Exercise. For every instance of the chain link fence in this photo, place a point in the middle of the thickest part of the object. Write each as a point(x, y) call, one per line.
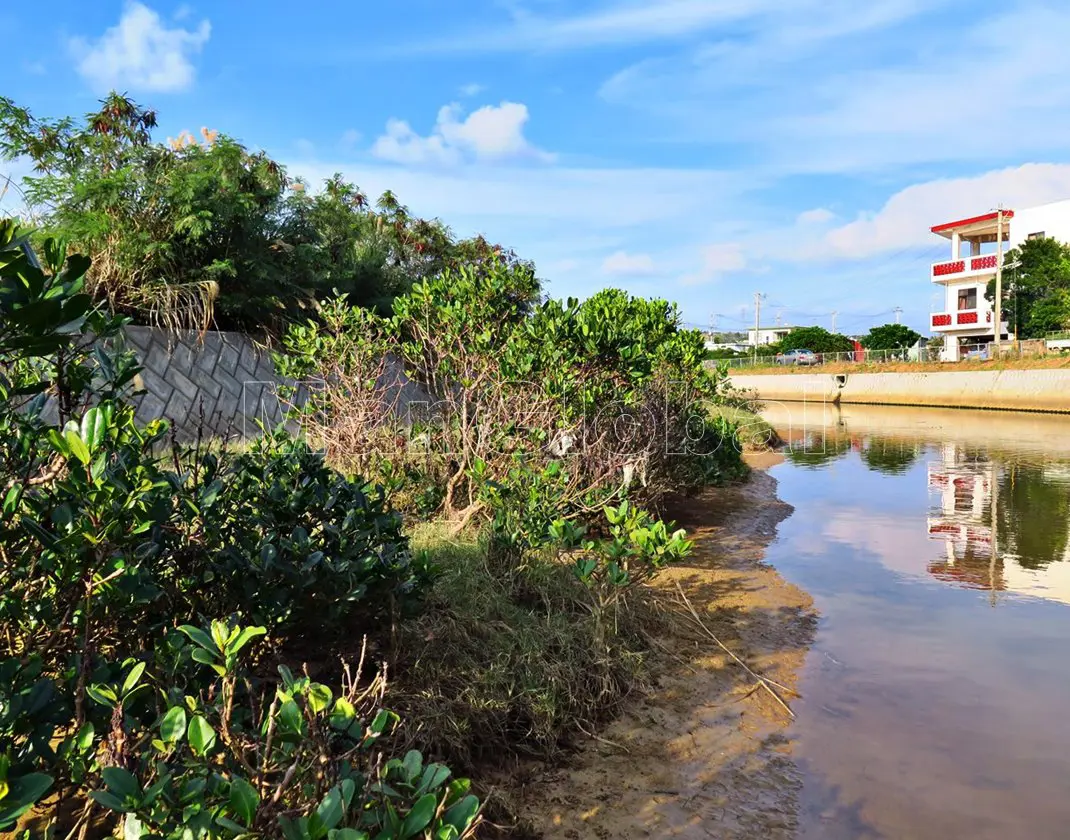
point(924, 355)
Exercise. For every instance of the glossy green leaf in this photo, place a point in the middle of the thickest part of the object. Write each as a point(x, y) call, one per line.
point(122, 783)
point(22, 793)
point(463, 814)
point(412, 764)
point(419, 817)
point(434, 776)
point(84, 739)
point(173, 724)
point(201, 735)
point(76, 446)
point(342, 714)
point(243, 638)
point(133, 677)
point(331, 810)
point(319, 697)
point(102, 694)
point(95, 426)
point(244, 800)
point(108, 800)
point(198, 636)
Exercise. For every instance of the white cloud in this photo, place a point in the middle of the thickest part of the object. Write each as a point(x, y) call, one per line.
point(350, 138)
point(11, 174)
point(567, 219)
point(817, 216)
point(841, 87)
point(140, 52)
point(622, 22)
point(473, 89)
point(483, 197)
point(906, 217)
point(718, 259)
point(488, 133)
point(622, 263)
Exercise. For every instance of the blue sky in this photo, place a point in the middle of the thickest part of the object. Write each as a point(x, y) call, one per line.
point(699, 150)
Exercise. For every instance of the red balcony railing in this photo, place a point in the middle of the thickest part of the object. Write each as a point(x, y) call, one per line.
point(967, 317)
point(943, 269)
point(965, 266)
point(942, 320)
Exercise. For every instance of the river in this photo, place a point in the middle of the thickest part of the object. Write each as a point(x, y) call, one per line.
point(936, 546)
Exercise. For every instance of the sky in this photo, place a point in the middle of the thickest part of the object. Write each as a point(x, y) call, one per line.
point(701, 151)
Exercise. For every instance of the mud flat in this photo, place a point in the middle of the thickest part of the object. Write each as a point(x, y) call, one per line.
point(705, 753)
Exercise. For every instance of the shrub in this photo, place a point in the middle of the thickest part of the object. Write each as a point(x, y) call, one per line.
point(613, 387)
point(123, 719)
point(285, 538)
point(198, 230)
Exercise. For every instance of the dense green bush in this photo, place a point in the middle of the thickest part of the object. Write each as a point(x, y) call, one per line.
point(120, 707)
point(890, 337)
point(134, 585)
point(1036, 287)
point(613, 385)
point(289, 539)
point(816, 339)
point(199, 230)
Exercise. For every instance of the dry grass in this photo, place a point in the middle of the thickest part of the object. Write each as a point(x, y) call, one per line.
point(1034, 363)
point(502, 664)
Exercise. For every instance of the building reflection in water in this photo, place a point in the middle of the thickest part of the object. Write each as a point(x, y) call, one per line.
point(1005, 524)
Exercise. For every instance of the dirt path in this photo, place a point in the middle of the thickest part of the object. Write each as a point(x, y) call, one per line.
point(703, 754)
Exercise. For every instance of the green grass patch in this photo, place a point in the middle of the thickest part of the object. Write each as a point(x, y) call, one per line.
point(755, 433)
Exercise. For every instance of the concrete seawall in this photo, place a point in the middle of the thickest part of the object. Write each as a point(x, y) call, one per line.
point(1018, 390)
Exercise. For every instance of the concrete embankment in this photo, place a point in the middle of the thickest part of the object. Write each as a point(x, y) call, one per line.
point(1019, 390)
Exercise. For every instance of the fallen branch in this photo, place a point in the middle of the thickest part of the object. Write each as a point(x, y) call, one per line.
point(762, 681)
point(603, 740)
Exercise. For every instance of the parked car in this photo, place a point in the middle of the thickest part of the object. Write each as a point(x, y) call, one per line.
point(797, 357)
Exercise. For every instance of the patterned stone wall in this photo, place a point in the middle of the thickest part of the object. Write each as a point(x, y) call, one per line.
point(221, 382)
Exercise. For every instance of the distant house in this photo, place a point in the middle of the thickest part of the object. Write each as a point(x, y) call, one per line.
point(766, 335)
point(965, 318)
point(734, 346)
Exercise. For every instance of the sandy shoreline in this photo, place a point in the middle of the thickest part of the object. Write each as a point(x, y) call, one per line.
point(702, 754)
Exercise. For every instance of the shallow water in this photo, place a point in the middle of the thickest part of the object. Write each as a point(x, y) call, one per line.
point(936, 699)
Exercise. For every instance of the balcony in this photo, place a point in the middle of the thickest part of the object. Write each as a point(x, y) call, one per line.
point(961, 319)
point(943, 272)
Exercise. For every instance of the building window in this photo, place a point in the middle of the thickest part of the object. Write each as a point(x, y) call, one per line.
point(967, 299)
point(1037, 235)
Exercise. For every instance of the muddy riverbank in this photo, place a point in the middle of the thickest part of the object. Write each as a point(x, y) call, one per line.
point(703, 753)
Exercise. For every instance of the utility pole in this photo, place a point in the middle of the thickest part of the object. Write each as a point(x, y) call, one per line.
point(898, 313)
point(757, 321)
point(999, 278)
point(834, 314)
point(713, 324)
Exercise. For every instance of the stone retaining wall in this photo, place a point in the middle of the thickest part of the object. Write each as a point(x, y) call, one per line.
point(220, 381)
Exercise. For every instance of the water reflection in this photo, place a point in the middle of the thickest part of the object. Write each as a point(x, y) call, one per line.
point(999, 509)
point(1004, 522)
point(816, 448)
point(926, 713)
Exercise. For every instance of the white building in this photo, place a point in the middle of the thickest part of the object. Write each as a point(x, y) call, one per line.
point(965, 319)
point(734, 346)
point(766, 335)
